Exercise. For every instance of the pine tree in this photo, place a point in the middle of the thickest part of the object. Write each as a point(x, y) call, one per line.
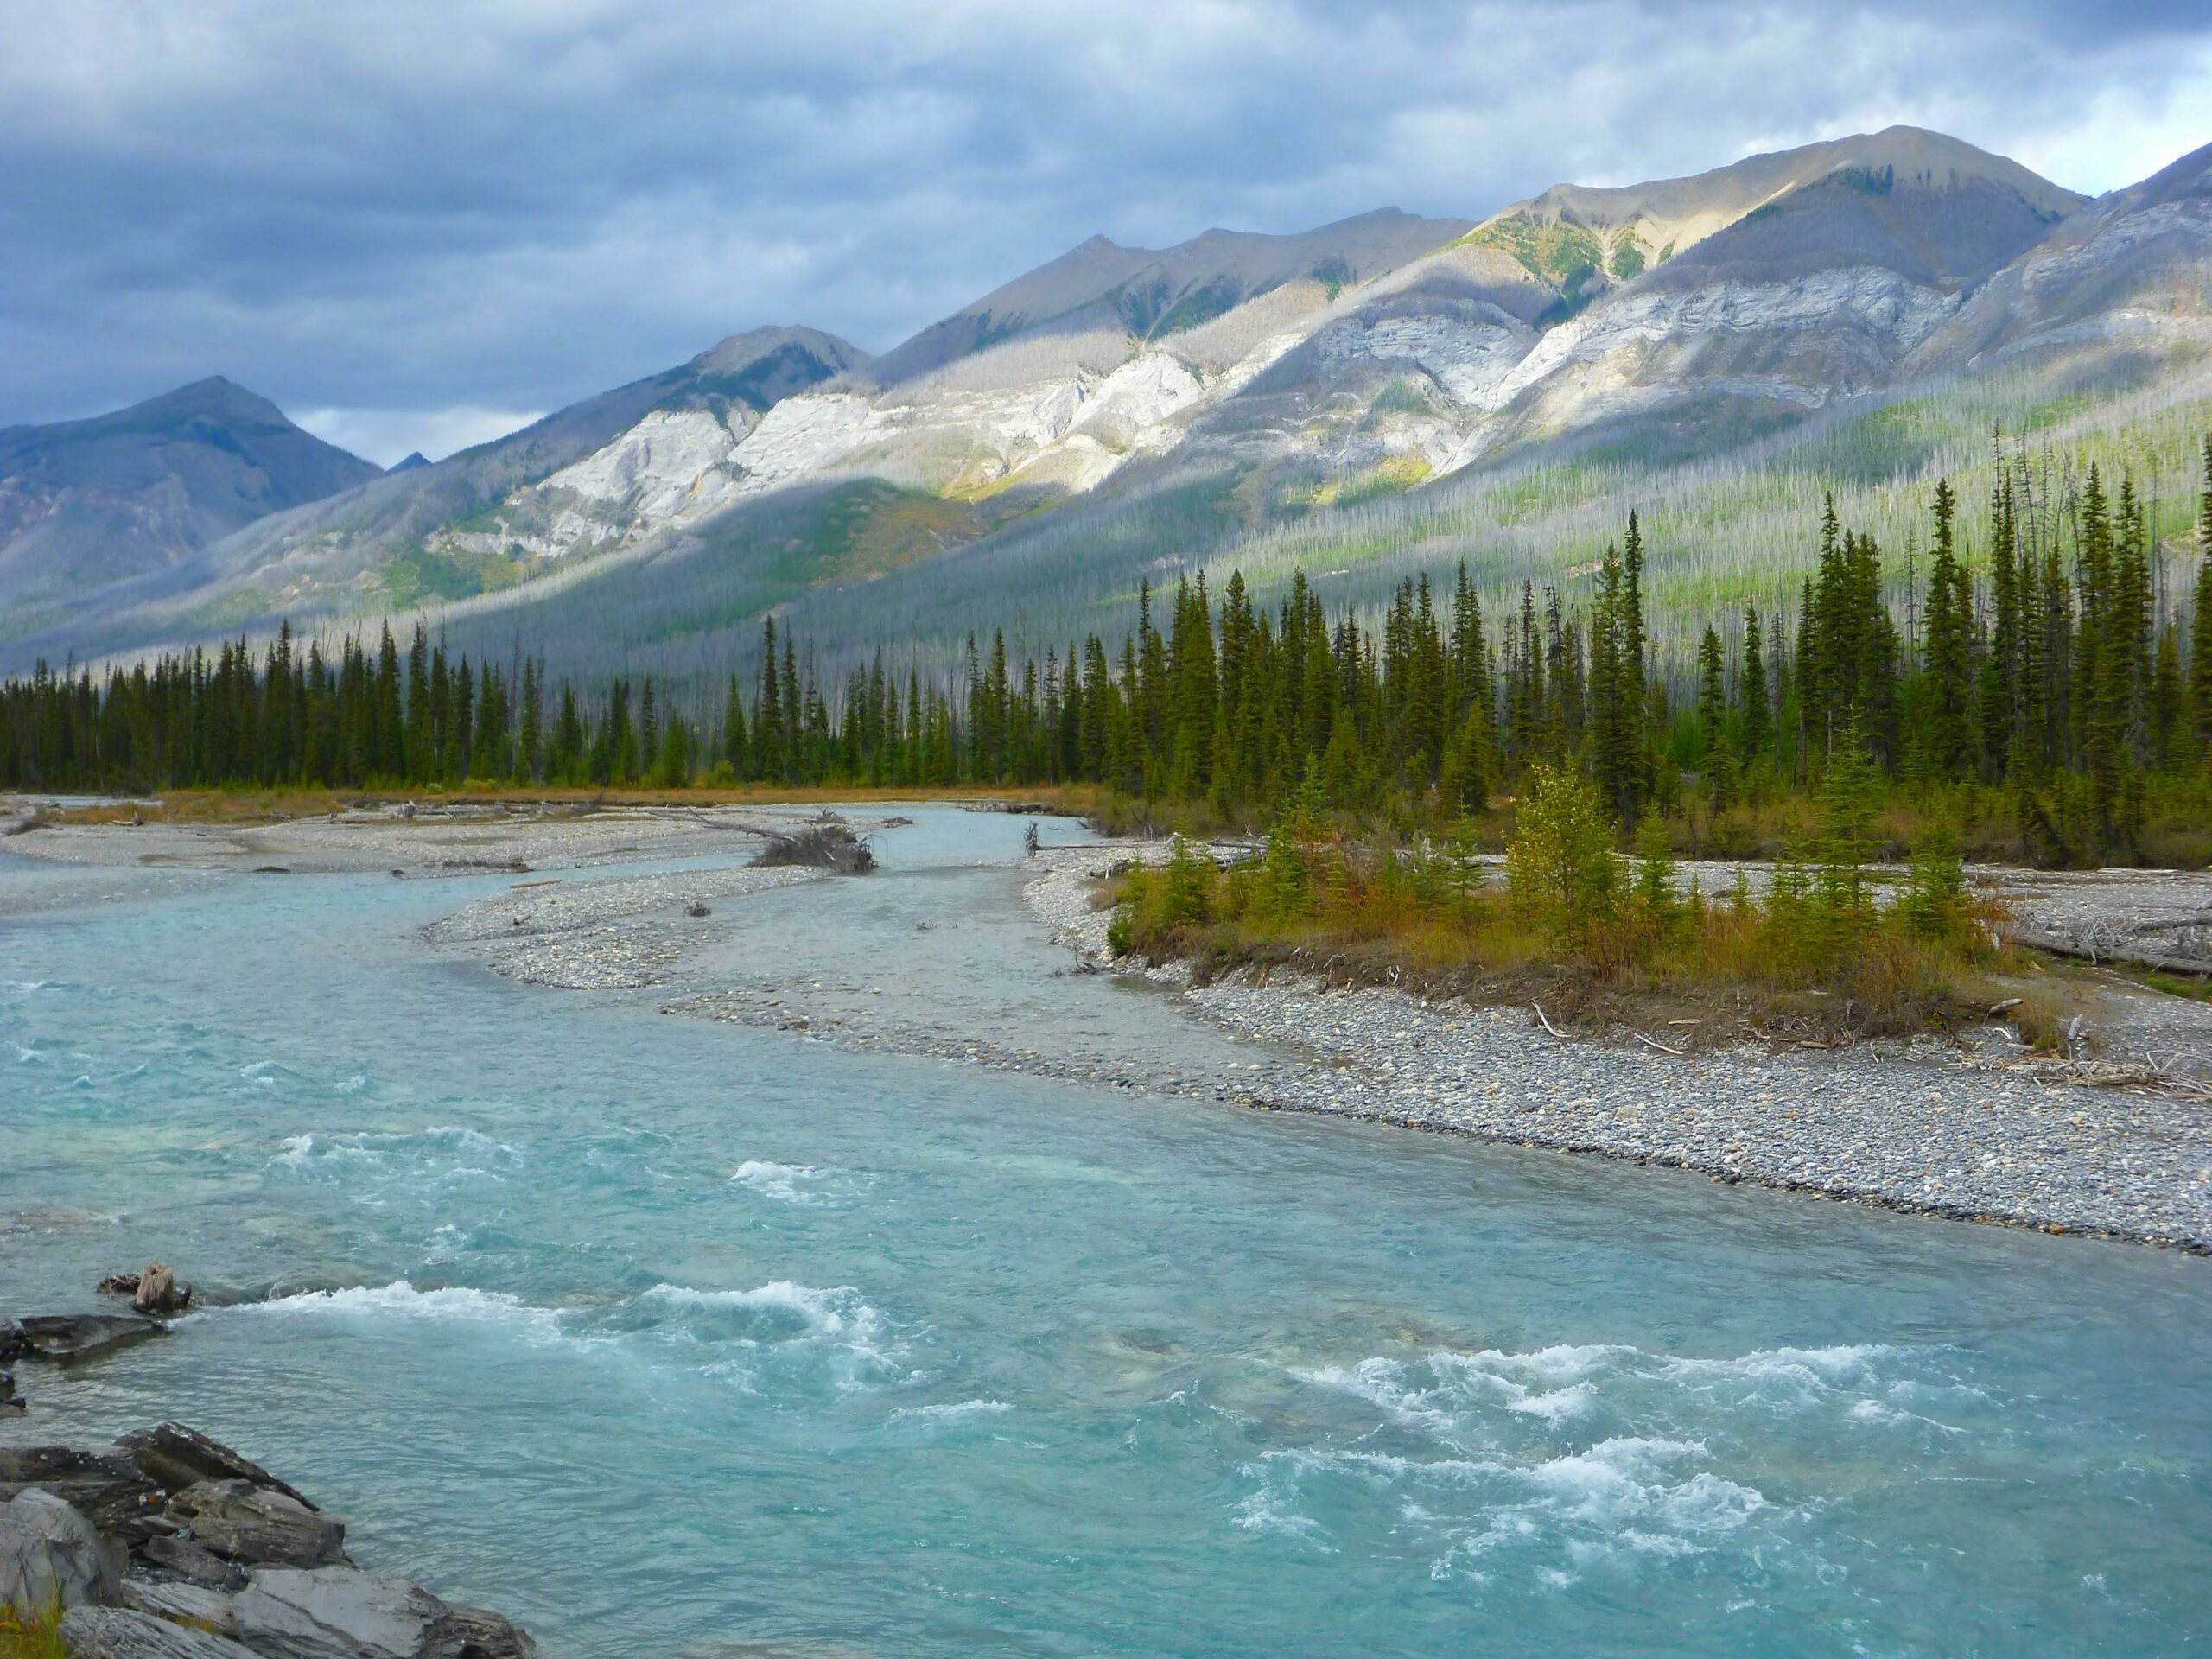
point(2200, 637)
point(770, 759)
point(1998, 692)
point(1715, 759)
point(529, 762)
point(1949, 667)
point(1754, 716)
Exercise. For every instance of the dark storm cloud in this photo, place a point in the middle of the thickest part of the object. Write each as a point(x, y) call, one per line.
point(414, 221)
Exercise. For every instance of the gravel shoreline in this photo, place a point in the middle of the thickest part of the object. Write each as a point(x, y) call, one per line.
point(1928, 1128)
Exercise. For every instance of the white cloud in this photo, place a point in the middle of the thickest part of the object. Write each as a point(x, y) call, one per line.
point(2129, 130)
point(470, 205)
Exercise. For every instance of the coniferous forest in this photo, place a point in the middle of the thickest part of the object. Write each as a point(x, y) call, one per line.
point(2027, 652)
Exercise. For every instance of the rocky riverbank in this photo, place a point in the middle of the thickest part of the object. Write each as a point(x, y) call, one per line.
point(169, 1545)
point(1928, 1127)
point(410, 839)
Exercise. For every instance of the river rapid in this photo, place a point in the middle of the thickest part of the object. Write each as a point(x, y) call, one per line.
point(669, 1337)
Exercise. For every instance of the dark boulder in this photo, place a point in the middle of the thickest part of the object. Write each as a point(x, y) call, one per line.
point(472, 1633)
point(74, 1336)
point(178, 1457)
point(188, 1560)
point(8, 1394)
point(259, 1526)
point(104, 1486)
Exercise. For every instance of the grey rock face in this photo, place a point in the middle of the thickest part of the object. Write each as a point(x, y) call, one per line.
point(181, 1603)
point(119, 1633)
point(178, 1457)
point(188, 1561)
point(106, 1487)
point(50, 1554)
point(259, 1526)
point(344, 1613)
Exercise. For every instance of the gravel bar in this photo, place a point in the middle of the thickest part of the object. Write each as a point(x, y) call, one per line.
point(611, 933)
point(1926, 1128)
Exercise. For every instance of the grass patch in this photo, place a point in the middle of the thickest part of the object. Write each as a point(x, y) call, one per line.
point(1389, 478)
point(1561, 252)
point(421, 576)
point(26, 1637)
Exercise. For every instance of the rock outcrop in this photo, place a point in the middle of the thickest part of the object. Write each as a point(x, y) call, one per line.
point(120, 1633)
point(72, 1336)
point(169, 1545)
point(104, 1485)
point(244, 1522)
point(50, 1555)
point(344, 1613)
point(177, 1455)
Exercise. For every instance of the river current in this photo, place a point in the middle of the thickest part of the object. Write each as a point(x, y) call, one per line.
point(673, 1337)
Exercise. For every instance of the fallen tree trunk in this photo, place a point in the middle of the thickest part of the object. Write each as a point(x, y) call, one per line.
point(2116, 951)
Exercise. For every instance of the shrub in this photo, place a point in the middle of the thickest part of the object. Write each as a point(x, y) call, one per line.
point(1285, 886)
point(1559, 866)
point(1935, 905)
point(1658, 906)
point(1186, 887)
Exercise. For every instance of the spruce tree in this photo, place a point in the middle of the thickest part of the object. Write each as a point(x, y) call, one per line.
point(1754, 716)
point(1948, 658)
point(2200, 637)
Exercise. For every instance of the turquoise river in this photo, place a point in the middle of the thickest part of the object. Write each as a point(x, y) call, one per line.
point(670, 1337)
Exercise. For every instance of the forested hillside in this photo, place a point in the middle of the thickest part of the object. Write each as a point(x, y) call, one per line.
point(2065, 677)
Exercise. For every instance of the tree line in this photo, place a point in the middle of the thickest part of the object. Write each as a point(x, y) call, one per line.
point(2051, 666)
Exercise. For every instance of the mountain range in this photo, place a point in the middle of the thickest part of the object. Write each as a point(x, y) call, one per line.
point(1384, 394)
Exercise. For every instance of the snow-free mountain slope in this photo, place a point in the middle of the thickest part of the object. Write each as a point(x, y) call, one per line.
point(405, 518)
point(86, 503)
point(1148, 293)
point(2117, 287)
point(1375, 352)
point(1633, 226)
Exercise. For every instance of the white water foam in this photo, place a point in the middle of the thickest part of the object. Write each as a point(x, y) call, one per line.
point(1467, 1454)
point(782, 1182)
point(400, 1299)
point(775, 1322)
point(441, 1152)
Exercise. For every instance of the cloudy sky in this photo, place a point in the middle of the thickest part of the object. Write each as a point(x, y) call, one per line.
point(419, 223)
